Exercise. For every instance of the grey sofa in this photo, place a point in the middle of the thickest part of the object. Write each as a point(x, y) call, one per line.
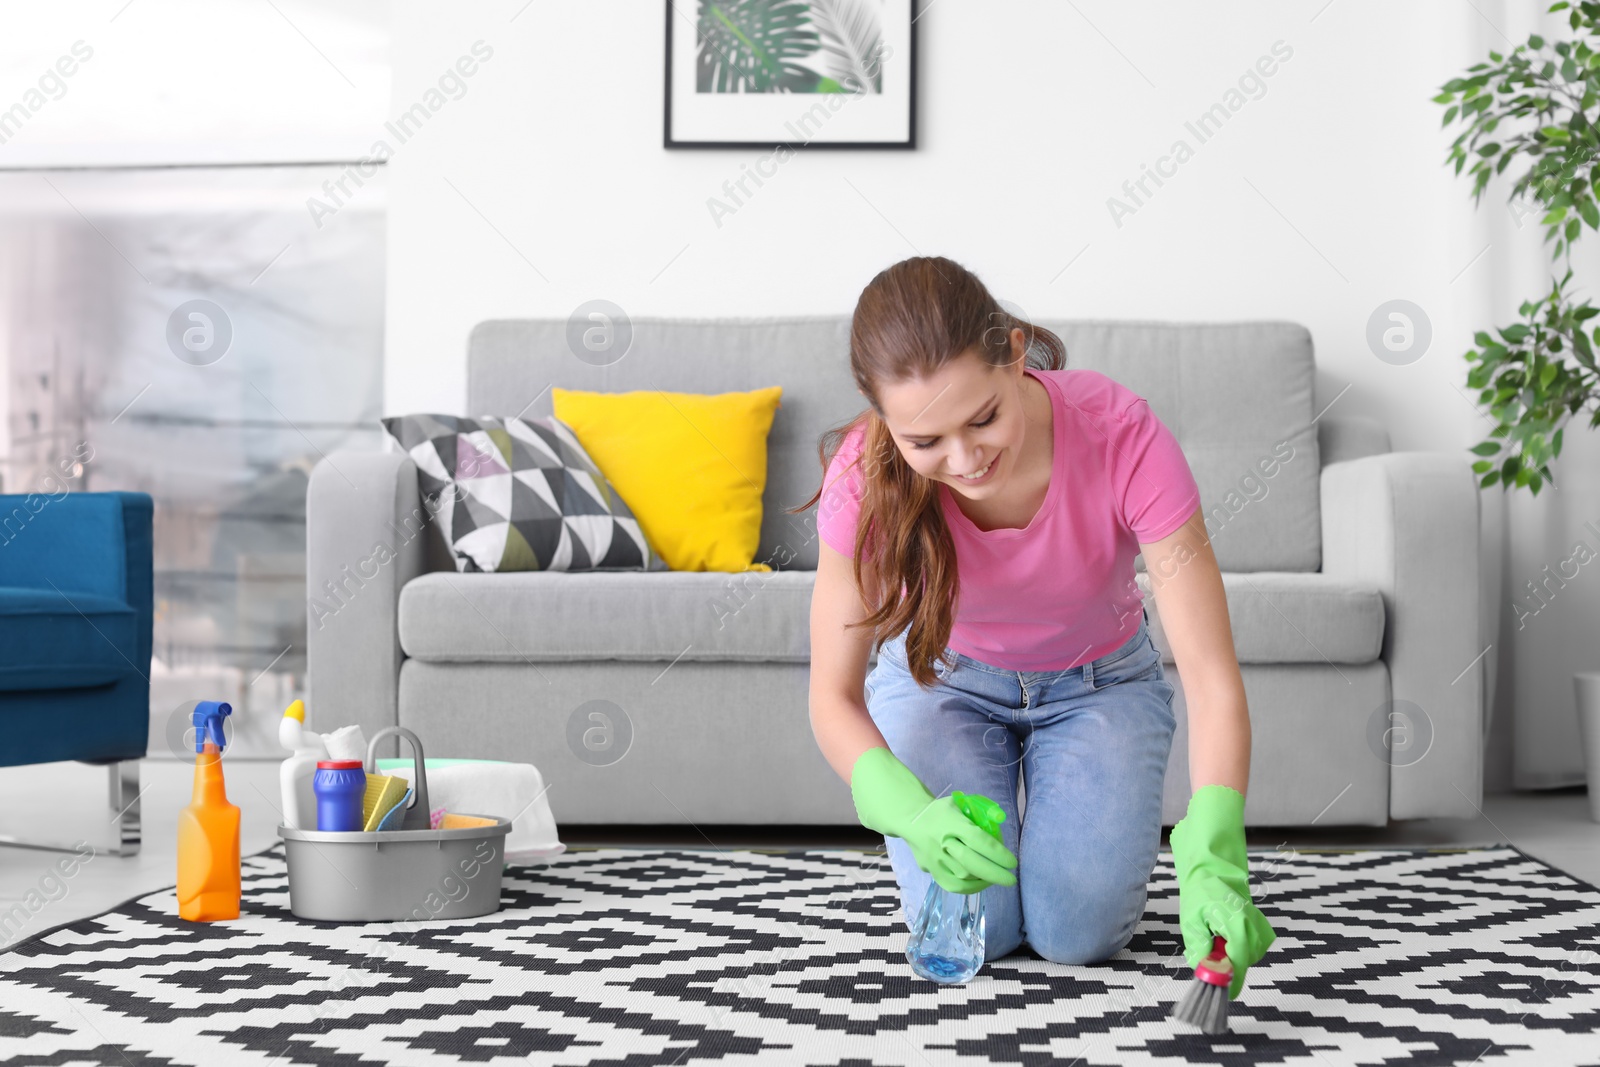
point(678, 697)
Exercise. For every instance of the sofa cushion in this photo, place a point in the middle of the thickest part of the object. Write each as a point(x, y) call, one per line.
point(511, 618)
point(1292, 617)
point(517, 495)
point(1277, 617)
point(64, 641)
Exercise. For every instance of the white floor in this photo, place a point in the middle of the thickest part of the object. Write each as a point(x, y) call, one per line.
point(68, 802)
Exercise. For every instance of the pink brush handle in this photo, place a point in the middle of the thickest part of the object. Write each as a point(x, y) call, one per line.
point(1216, 968)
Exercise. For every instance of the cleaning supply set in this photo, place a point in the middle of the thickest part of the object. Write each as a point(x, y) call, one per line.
point(325, 785)
point(361, 843)
point(376, 854)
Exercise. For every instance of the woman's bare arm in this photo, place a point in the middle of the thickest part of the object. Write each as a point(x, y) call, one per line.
point(1187, 584)
point(839, 717)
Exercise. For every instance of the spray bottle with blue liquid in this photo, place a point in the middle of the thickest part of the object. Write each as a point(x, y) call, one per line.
point(947, 940)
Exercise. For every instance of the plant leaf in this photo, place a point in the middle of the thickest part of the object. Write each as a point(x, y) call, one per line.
point(852, 38)
point(1590, 213)
point(748, 46)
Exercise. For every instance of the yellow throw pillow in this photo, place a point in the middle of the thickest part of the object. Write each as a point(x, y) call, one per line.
point(692, 467)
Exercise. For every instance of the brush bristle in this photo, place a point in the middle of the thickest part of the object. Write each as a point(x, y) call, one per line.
point(1204, 1005)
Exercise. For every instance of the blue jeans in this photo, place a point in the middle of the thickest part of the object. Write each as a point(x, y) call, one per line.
point(1092, 743)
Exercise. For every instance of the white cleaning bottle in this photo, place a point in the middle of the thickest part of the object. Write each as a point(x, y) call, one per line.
point(294, 776)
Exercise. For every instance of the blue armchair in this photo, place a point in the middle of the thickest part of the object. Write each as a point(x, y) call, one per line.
point(75, 629)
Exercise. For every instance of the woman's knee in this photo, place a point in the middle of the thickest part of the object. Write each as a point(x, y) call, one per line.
point(1095, 928)
point(999, 943)
point(1078, 945)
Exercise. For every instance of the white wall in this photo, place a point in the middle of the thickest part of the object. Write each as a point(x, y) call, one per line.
point(1031, 120)
point(546, 185)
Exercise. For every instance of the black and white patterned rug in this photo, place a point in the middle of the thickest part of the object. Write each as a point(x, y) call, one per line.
point(637, 957)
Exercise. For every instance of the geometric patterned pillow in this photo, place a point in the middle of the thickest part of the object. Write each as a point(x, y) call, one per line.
point(523, 496)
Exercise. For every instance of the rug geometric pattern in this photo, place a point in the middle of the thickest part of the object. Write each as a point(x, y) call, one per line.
point(637, 957)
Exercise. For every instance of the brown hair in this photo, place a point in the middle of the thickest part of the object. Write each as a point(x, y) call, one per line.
point(911, 320)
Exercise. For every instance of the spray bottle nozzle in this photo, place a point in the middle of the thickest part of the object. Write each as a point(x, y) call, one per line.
point(207, 718)
point(985, 813)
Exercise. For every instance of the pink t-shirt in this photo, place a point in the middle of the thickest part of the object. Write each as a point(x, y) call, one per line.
point(1060, 592)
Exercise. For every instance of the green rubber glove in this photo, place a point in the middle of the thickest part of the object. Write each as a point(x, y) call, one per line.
point(960, 855)
point(1213, 883)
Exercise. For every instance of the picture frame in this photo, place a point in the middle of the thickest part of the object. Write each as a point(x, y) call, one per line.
point(832, 74)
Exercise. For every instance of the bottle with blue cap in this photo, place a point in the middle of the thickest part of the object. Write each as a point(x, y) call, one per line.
point(208, 829)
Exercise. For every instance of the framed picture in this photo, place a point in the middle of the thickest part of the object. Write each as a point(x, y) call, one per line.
point(791, 74)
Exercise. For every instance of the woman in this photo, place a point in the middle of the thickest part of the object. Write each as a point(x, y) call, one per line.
point(979, 523)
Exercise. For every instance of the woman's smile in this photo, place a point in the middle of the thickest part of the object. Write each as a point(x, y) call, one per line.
point(983, 474)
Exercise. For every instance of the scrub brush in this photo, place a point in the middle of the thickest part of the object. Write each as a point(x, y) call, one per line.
point(1205, 1004)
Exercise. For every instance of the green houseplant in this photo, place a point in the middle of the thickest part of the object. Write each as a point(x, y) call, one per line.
point(1527, 379)
point(1541, 371)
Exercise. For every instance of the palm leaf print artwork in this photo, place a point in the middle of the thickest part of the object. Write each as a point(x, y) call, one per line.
point(853, 39)
point(756, 46)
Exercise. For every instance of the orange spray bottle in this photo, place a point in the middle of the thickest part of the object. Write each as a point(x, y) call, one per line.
point(208, 829)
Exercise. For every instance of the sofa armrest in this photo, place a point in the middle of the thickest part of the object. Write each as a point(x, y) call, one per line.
point(366, 537)
point(1407, 522)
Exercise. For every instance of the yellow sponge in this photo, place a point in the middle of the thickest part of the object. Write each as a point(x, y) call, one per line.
point(384, 791)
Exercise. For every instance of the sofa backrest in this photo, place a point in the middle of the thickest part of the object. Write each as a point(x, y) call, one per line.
point(1238, 397)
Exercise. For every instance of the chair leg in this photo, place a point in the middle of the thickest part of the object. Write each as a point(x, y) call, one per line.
point(124, 785)
point(123, 781)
